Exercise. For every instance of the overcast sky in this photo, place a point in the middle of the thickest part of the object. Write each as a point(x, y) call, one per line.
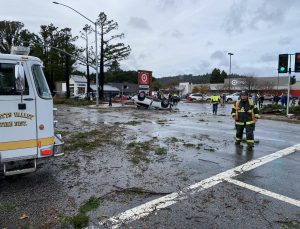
point(171, 37)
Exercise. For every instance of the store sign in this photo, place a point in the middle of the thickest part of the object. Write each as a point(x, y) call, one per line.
point(144, 77)
point(144, 87)
point(238, 82)
point(234, 82)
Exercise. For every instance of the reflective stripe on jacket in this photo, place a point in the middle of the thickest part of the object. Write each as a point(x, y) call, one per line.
point(244, 112)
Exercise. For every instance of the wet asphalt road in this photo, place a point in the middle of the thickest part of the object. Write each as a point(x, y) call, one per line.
point(198, 146)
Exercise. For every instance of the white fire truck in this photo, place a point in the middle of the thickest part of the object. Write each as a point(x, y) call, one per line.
point(26, 114)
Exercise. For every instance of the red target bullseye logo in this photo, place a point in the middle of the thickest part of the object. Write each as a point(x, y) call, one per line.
point(144, 77)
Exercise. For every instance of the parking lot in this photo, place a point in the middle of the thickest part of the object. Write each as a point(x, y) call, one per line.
point(161, 169)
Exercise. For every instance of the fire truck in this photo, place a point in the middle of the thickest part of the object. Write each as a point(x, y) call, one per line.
point(26, 114)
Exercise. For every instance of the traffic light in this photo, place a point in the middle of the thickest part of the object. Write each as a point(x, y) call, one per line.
point(293, 80)
point(283, 63)
point(297, 62)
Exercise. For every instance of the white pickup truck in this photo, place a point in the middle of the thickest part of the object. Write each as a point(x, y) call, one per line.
point(26, 114)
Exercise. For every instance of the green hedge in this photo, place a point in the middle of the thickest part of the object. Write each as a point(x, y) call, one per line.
point(278, 109)
point(73, 102)
point(272, 109)
point(295, 110)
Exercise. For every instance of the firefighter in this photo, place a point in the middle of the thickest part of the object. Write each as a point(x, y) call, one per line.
point(215, 99)
point(245, 113)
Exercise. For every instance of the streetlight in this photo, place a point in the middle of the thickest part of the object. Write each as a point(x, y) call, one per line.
point(230, 54)
point(96, 49)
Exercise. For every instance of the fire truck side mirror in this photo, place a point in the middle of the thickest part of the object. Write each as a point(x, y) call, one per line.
point(20, 77)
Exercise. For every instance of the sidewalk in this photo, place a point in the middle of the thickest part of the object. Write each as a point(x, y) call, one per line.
point(280, 118)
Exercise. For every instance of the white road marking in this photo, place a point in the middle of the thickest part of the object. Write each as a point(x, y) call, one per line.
point(165, 201)
point(265, 192)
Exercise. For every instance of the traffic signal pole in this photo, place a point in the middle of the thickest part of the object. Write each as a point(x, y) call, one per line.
point(289, 86)
point(284, 66)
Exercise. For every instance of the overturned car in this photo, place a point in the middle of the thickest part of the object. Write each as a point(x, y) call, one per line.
point(142, 100)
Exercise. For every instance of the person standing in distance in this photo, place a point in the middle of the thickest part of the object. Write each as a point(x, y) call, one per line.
point(215, 99)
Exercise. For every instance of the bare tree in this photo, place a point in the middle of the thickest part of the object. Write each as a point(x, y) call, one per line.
point(204, 89)
point(227, 87)
point(250, 83)
point(9, 34)
point(220, 87)
point(109, 51)
point(195, 89)
point(266, 86)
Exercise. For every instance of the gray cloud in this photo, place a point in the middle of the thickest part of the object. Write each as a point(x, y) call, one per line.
point(235, 19)
point(252, 29)
point(142, 56)
point(270, 13)
point(139, 23)
point(285, 40)
point(177, 34)
point(219, 55)
point(209, 44)
point(167, 4)
point(268, 57)
point(243, 16)
point(204, 64)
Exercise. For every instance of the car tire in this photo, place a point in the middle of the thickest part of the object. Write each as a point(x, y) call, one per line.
point(229, 100)
point(165, 103)
point(208, 100)
point(141, 96)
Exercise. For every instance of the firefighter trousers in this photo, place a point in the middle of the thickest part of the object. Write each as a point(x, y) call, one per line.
point(249, 132)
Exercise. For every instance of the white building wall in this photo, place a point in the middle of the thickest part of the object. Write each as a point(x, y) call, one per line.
point(186, 86)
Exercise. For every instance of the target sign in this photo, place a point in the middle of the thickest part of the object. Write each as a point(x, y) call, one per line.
point(144, 77)
point(234, 82)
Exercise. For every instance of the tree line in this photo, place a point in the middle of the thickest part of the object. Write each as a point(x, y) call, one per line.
point(57, 49)
point(216, 76)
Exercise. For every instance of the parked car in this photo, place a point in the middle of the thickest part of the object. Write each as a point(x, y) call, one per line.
point(185, 96)
point(198, 97)
point(195, 97)
point(207, 98)
point(268, 97)
point(233, 97)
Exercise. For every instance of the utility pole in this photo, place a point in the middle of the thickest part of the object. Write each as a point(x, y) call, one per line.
point(289, 86)
point(101, 65)
point(87, 61)
point(67, 77)
point(277, 82)
point(230, 54)
point(96, 44)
